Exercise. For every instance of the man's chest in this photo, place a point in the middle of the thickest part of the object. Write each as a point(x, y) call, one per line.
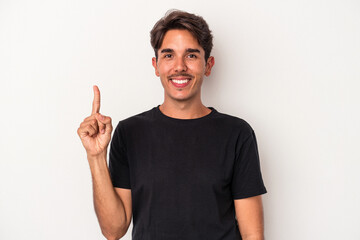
point(174, 159)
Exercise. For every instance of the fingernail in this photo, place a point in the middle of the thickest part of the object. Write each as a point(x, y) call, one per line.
point(102, 131)
point(102, 117)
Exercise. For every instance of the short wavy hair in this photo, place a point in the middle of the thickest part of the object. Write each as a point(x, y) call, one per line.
point(176, 19)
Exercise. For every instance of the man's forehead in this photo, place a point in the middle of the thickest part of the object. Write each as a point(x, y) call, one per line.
point(180, 40)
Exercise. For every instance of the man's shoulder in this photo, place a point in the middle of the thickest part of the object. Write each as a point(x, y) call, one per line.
point(142, 116)
point(138, 119)
point(233, 122)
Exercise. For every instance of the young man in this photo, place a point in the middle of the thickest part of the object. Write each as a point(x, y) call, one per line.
point(181, 170)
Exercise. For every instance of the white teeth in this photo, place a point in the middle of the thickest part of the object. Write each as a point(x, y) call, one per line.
point(180, 81)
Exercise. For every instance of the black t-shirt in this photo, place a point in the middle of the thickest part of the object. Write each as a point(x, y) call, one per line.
point(184, 174)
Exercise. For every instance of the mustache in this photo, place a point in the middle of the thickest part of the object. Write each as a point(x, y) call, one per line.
point(181, 75)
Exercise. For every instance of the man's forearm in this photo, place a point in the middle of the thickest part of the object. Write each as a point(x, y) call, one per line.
point(254, 237)
point(109, 208)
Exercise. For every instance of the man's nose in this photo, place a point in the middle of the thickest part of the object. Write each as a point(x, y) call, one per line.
point(180, 65)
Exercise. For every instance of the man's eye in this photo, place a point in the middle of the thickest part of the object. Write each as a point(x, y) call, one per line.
point(167, 56)
point(192, 56)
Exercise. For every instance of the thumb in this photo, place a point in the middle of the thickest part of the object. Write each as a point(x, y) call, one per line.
point(105, 125)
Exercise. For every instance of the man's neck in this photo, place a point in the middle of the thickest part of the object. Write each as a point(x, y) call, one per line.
point(184, 110)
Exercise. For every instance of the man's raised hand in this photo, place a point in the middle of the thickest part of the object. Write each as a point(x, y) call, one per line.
point(95, 130)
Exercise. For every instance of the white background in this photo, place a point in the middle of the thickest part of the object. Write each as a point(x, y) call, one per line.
point(289, 68)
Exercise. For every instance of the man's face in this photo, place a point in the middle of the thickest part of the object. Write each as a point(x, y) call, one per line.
point(181, 65)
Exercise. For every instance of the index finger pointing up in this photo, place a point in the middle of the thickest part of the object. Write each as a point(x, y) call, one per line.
point(96, 101)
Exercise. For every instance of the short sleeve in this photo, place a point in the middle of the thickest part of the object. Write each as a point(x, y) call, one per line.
point(118, 162)
point(247, 178)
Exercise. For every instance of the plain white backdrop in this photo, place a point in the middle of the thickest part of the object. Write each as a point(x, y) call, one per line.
point(289, 68)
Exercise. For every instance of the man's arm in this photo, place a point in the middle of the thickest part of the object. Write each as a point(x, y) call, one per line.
point(250, 217)
point(112, 207)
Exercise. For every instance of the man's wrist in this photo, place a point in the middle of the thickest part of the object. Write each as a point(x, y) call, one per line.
point(98, 157)
point(97, 161)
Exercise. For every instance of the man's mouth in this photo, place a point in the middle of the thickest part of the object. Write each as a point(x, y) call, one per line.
point(180, 81)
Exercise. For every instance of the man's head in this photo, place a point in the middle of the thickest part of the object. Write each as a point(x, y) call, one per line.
point(182, 44)
point(181, 20)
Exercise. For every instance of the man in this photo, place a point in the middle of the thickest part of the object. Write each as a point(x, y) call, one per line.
point(181, 170)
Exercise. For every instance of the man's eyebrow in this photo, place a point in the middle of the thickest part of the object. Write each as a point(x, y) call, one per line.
point(192, 50)
point(188, 50)
point(167, 50)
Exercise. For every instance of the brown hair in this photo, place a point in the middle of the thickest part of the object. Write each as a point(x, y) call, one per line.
point(176, 19)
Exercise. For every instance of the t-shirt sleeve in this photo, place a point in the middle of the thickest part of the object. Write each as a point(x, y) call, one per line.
point(118, 162)
point(247, 179)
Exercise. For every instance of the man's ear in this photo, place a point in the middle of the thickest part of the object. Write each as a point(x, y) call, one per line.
point(209, 64)
point(154, 63)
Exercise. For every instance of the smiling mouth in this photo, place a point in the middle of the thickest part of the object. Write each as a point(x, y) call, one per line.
point(180, 83)
point(180, 80)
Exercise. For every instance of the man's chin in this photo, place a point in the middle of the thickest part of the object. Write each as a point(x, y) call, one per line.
point(182, 98)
